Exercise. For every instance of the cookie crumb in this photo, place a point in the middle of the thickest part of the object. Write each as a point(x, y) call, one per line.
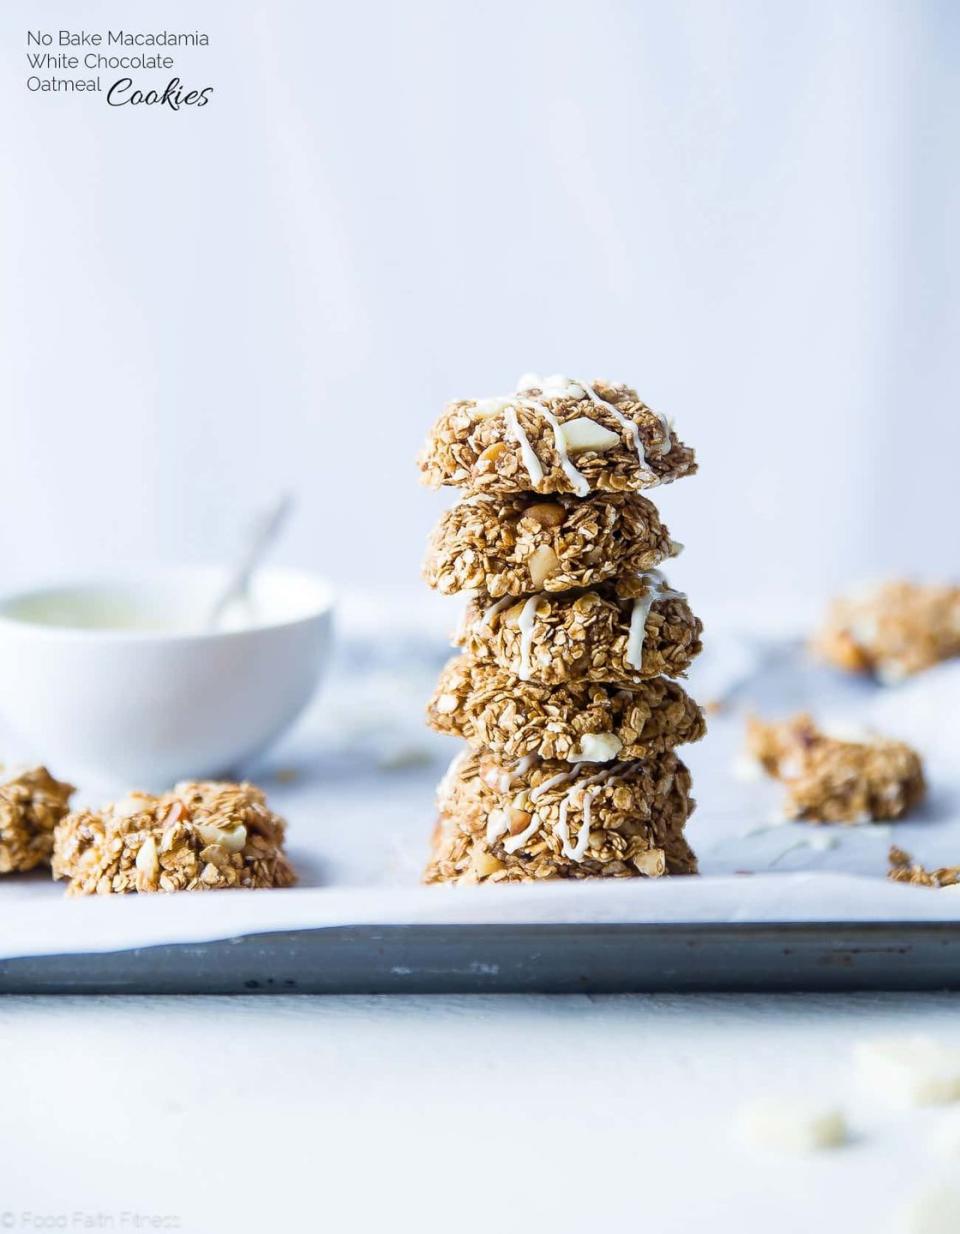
point(903, 869)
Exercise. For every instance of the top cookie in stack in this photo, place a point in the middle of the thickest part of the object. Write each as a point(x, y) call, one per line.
point(569, 636)
point(555, 435)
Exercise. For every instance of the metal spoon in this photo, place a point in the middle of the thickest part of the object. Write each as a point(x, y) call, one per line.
point(262, 533)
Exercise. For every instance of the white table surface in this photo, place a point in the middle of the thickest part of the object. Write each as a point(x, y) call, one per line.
point(508, 1113)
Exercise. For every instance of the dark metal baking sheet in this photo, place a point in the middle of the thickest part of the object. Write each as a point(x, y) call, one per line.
point(562, 959)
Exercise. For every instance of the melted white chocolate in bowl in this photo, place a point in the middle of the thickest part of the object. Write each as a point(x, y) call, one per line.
point(173, 603)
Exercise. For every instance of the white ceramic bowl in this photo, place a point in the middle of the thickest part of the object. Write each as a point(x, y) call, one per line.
point(118, 679)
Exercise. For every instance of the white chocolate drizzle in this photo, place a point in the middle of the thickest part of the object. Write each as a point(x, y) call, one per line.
point(488, 614)
point(608, 775)
point(625, 423)
point(510, 776)
point(527, 453)
point(560, 778)
point(575, 851)
point(497, 823)
point(525, 625)
point(581, 485)
point(557, 386)
point(628, 424)
point(514, 842)
point(587, 790)
point(579, 794)
point(656, 589)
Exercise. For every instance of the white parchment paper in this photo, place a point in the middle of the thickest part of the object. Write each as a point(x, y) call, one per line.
point(355, 781)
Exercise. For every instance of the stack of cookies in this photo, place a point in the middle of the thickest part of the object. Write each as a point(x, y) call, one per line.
point(570, 639)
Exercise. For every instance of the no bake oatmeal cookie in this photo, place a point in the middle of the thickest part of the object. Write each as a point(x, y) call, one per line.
point(201, 836)
point(555, 435)
point(513, 544)
point(576, 722)
point(619, 632)
point(32, 802)
point(829, 780)
point(503, 823)
point(893, 630)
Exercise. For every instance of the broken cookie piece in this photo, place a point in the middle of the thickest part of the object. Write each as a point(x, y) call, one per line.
point(201, 836)
point(903, 869)
point(892, 631)
point(32, 802)
point(829, 780)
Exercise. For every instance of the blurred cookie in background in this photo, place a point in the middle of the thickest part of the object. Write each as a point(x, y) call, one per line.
point(891, 630)
point(831, 779)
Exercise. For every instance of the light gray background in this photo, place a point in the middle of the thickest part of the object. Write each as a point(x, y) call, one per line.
point(746, 209)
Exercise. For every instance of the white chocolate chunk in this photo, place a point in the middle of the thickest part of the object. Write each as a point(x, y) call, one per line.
point(554, 386)
point(148, 864)
point(652, 863)
point(231, 838)
point(446, 704)
point(133, 803)
point(514, 842)
point(485, 407)
point(483, 864)
point(910, 1070)
point(792, 1125)
point(586, 434)
point(543, 561)
point(596, 748)
point(498, 821)
point(934, 1211)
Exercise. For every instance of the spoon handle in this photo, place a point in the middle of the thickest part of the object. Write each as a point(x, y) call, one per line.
point(263, 532)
